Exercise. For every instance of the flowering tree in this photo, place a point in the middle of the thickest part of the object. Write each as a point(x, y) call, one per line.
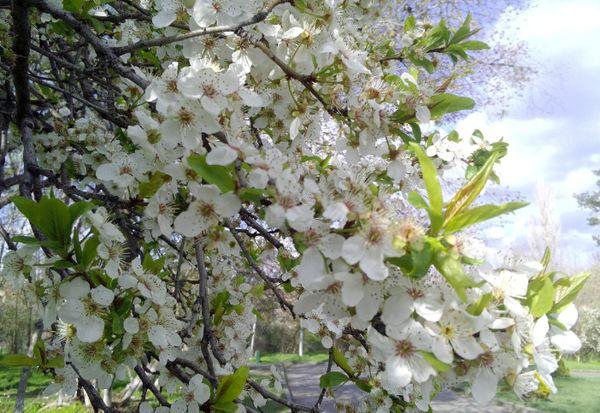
point(179, 161)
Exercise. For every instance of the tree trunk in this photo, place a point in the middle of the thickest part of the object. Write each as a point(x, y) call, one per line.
point(253, 336)
point(107, 396)
point(26, 372)
point(301, 343)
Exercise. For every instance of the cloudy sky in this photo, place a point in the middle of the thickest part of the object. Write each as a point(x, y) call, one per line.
point(554, 129)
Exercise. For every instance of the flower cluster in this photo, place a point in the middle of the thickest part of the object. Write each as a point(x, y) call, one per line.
point(277, 152)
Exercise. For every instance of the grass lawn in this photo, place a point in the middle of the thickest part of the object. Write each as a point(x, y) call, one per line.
point(575, 395)
point(9, 381)
point(276, 358)
point(590, 365)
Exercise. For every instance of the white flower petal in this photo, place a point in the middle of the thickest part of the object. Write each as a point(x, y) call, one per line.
point(467, 347)
point(566, 341)
point(221, 155)
point(352, 288)
point(372, 264)
point(90, 329)
point(485, 385)
point(353, 249)
point(429, 307)
point(312, 267)
point(397, 309)
point(228, 205)
point(102, 295)
point(398, 372)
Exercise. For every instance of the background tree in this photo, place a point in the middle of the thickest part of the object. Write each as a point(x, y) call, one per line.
point(591, 201)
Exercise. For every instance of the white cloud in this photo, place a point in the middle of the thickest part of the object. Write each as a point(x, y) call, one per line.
point(530, 152)
point(558, 27)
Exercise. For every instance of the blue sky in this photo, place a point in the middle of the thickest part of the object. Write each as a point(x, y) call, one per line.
point(554, 129)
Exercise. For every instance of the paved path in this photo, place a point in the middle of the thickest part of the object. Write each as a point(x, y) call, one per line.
point(303, 382)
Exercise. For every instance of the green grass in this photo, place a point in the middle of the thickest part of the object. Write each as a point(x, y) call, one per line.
point(276, 358)
point(9, 381)
point(575, 394)
point(590, 365)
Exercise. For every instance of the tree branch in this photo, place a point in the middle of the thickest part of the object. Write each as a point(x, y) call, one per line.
point(144, 44)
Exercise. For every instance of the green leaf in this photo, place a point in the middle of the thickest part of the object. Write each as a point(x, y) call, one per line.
point(89, 251)
point(410, 23)
point(213, 174)
point(51, 216)
point(438, 365)
point(332, 379)
point(474, 45)
point(565, 295)
point(453, 272)
point(416, 263)
point(39, 352)
point(56, 219)
point(444, 103)
point(26, 240)
point(342, 362)
point(417, 200)
point(18, 360)
point(477, 308)
point(463, 32)
point(57, 362)
point(225, 407)
point(362, 384)
point(434, 189)
point(231, 386)
point(77, 209)
point(480, 213)
point(468, 193)
point(540, 296)
point(28, 208)
point(546, 259)
point(149, 188)
point(252, 194)
point(117, 325)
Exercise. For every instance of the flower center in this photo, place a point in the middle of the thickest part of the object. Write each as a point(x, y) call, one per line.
point(286, 202)
point(206, 210)
point(171, 86)
point(374, 236)
point(448, 331)
point(185, 117)
point(372, 93)
point(404, 348)
point(311, 237)
point(153, 136)
point(209, 90)
point(415, 293)
point(334, 288)
point(126, 170)
point(486, 359)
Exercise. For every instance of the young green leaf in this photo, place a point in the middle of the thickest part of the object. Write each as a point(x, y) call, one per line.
point(18, 360)
point(444, 103)
point(479, 214)
point(468, 193)
point(342, 361)
point(565, 295)
point(432, 185)
point(332, 379)
point(540, 296)
point(453, 272)
point(231, 386)
point(438, 365)
point(213, 174)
